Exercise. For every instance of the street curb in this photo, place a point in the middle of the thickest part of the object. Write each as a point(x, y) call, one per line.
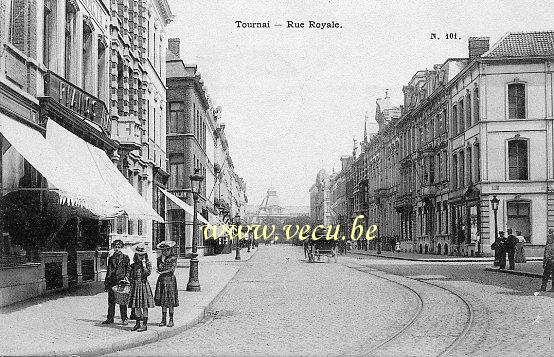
point(515, 272)
point(149, 336)
point(435, 260)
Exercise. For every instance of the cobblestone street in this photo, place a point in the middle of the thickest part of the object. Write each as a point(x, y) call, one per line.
point(280, 305)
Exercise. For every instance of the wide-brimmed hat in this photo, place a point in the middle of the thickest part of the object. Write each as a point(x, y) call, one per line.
point(139, 249)
point(166, 244)
point(117, 242)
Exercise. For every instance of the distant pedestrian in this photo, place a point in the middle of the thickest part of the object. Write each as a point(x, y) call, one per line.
point(520, 250)
point(501, 246)
point(141, 294)
point(166, 294)
point(548, 261)
point(118, 270)
point(511, 249)
point(397, 247)
point(334, 252)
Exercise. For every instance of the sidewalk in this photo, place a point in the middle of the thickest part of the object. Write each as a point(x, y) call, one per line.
point(428, 257)
point(530, 269)
point(70, 323)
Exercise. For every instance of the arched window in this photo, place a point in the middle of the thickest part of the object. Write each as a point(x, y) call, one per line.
point(516, 101)
point(518, 163)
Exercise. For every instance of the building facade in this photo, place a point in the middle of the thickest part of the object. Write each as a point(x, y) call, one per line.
point(320, 204)
point(59, 185)
point(465, 134)
point(196, 140)
point(137, 87)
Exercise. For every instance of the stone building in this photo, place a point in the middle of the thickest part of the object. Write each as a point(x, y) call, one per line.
point(466, 133)
point(196, 140)
point(320, 208)
point(137, 82)
point(60, 188)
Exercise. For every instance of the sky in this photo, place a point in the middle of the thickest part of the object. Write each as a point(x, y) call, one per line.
point(293, 99)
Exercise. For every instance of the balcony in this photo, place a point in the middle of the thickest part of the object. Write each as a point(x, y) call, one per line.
point(130, 136)
point(428, 191)
point(403, 202)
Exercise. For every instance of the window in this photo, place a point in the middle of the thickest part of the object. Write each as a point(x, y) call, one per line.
point(18, 24)
point(101, 75)
point(444, 122)
point(517, 160)
point(462, 173)
point(131, 227)
point(454, 119)
point(468, 110)
point(87, 53)
point(516, 101)
point(469, 171)
point(69, 29)
point(461, 114)
point(455, 170)
point(477, 163)
point(432, 169)
point(120, 224)
point(519, 218)
point(139, 227)
point(176, 122)
point(49, 29)
point(176, 171)
point(476, 105)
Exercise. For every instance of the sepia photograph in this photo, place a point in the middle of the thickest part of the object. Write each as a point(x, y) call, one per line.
point(276, 178)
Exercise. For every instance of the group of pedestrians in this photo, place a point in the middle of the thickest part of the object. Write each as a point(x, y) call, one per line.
point(512, 245)
point(121, 272)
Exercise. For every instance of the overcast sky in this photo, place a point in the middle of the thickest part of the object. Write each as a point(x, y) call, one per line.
point(294, 99)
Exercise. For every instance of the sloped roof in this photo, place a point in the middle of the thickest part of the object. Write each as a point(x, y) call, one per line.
point(523, 44)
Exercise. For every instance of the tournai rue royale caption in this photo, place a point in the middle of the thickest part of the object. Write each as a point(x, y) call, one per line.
point(322, 25)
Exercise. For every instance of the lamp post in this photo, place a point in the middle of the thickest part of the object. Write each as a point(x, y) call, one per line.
point(194, 284)
point(494, 204)
point(249, 242)
point(237, 223)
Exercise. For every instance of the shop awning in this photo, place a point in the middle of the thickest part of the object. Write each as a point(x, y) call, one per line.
point(183, 205)
point(102, 176)
point(215, 221)
point(71, 186)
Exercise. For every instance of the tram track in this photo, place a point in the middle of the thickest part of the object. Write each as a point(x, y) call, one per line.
point(418, 316)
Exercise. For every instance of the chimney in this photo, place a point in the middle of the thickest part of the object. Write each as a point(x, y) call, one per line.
point(173, 45)
point(477, 46)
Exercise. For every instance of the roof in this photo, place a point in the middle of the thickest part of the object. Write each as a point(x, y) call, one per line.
point(523, 44)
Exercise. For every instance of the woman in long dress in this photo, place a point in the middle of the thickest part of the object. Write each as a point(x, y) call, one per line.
point(520, 250)
point(166, 294)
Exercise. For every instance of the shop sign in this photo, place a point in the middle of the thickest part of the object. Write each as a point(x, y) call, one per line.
point(79, 101)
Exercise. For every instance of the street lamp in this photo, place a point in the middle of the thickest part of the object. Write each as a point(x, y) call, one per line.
point(194, 284)
point(237, 223)
point(494, 204)
point(249, 241)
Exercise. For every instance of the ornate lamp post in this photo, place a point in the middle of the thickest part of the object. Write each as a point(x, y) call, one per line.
point(194, 284)
point(237, 223)
point(494, 204)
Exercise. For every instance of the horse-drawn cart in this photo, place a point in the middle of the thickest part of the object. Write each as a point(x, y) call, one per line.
point(321, 248)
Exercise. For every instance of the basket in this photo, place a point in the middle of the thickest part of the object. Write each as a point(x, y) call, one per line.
point(122, 294)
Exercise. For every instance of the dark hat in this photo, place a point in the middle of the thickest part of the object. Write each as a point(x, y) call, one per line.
point(139, 249)
point(117, 242)
point(166, 244)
